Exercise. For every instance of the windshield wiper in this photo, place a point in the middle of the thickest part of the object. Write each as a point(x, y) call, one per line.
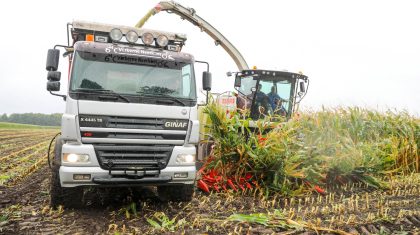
point(166, 96)
point(100, 91)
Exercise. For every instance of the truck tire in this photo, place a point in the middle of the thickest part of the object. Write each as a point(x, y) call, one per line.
point(179, 193)
point(67, 197)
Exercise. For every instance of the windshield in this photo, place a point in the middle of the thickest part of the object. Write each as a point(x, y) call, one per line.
point(164, 79)
point(278, 93)
point(271, 96)
point(247, 83)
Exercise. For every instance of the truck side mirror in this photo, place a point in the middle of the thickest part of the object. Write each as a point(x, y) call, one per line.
point(302, 87)
point(53, 58)
point(53, 86)
point(237, 81)
point(206, 81)
point(54, 76)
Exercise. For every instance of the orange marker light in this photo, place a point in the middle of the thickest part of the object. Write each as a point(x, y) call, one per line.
point(254, 67)
point(89, 37)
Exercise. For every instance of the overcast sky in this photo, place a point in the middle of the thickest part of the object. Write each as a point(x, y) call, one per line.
point(363, 53)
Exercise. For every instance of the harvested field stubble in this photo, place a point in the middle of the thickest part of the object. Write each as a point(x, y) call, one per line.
point(372, 187)
point(22, 152)
point(131, 211)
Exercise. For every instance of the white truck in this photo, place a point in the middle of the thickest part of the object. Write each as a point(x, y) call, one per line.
point(131, 112)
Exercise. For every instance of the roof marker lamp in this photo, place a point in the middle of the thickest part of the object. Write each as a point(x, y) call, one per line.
point(89, 37)
point(147, 38)
point(115, 34)
point(75, 158)
point(131, 36)
point(162, 40)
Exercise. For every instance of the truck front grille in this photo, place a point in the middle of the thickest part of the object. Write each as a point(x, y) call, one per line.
point(124, 135)
point(132, 122)
point(133, 157)
point(135, 130)
point(136, 123)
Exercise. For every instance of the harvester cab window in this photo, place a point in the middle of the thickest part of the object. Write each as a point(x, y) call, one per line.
point(279, 98)
point(273, 97)
point(247, 85)
point(284, 91)
point(265, 87)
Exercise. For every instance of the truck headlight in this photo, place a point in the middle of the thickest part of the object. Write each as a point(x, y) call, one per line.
point(75, 158)
point(185, 158)
point(116, 34)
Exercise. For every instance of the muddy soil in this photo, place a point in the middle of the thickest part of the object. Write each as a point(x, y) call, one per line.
point(24, 209)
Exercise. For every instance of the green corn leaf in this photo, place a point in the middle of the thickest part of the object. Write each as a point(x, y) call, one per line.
point(258, 218)
point(154, 223)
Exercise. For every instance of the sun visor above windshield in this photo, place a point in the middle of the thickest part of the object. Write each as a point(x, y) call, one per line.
point(272, 75)
point(128, 54)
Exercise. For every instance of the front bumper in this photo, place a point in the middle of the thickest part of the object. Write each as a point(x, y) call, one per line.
point(101, 177)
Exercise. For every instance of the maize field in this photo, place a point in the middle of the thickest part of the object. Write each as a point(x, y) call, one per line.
point(334, 171)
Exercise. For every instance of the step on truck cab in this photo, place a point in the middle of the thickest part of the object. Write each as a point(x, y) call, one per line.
point(131, 112)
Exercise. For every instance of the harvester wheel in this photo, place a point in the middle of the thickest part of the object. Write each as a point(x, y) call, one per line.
point(178, 193)
point(67, 197)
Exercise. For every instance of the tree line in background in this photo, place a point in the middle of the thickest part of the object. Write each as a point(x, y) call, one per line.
point(33, 118)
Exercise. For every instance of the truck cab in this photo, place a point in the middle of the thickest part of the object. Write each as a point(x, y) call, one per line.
point(131, 112)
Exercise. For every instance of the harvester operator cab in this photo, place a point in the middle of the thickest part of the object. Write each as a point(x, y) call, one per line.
point(267, 92)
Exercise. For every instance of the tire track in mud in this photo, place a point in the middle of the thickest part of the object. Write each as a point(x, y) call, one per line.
point(29, 211)
point(27, 206)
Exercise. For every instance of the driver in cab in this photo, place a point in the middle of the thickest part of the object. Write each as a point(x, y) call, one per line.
point(276, 102)
point(262, 101)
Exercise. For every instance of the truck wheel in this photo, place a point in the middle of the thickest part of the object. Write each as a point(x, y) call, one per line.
point(68, 197)
point(178, 193)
